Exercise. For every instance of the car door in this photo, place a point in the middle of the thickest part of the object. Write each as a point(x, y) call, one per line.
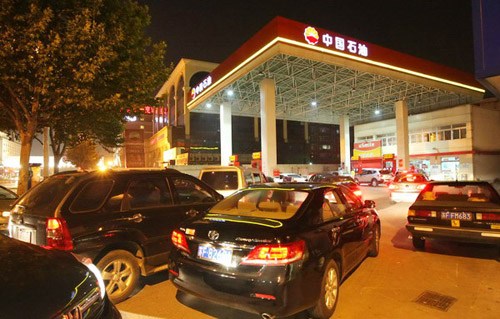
point(359, 223)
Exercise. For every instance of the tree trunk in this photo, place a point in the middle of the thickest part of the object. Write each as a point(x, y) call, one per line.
point(57, 159)
point(24, 171)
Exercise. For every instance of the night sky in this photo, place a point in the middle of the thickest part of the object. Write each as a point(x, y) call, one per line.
point(210, 30)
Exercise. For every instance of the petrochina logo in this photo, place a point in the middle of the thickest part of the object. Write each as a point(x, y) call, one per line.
point(311, 35)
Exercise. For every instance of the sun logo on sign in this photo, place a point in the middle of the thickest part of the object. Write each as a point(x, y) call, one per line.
point(311, 35)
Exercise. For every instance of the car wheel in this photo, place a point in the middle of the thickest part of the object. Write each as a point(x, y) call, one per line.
point(325, 306)
point(120, 272)
point(374, 183)
point(418, 242)
point(375, 243)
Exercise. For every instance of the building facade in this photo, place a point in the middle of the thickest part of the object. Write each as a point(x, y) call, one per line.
point(458, 143)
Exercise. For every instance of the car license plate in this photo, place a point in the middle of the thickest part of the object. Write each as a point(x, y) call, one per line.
point(25, 235)
point(456, 215)
point(217, 255)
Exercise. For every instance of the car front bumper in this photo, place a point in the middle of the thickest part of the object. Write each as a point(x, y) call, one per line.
point(482, 236)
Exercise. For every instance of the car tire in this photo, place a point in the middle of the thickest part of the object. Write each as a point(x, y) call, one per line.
point(375, 243)
point(120, 272)
point(374, 183)
point(325, 305)
point(418, 242)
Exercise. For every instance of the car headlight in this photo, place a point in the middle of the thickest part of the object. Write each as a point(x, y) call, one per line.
point(88, 262)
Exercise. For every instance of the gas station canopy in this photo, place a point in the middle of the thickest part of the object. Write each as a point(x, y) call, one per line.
point(321, 75)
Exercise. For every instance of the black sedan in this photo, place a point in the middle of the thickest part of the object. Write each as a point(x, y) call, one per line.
point(40, 283)
point(457, 211)
point(276, 250)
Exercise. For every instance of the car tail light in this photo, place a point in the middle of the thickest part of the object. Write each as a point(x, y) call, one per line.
point(488, 216)
point(58, 235)
point(276, 254)
point(179, 241)
point(358, 193)
point(422, 213)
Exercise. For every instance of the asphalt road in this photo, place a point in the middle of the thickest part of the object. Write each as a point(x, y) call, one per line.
point(447, 280)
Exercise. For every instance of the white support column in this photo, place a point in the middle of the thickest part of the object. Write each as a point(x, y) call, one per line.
point(226, 140)
point(187, 117)
point(268, 123)
point(345, 145)
point(403, 152)
point(285, 131)
point(306, 132)
point(256, 131)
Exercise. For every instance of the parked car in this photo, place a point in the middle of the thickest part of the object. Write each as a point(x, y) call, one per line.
point(458, 211)
point(276, 249)
point(290, 177)
point(370, 176)
point(43, 283)
point(228, 179)
point(406, 187)
point(345, 180)
point(7, 198)
point(118, 218)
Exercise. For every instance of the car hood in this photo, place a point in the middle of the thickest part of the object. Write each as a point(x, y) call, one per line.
point(40, 283)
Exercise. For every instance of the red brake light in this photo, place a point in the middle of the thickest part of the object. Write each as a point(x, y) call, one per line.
point(422, 213)
point(488, 216)
point(179, 241)
point(58, 235)
point(358, 193)
point(276, 254)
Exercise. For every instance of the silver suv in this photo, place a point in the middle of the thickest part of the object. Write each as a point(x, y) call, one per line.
point(373, 176)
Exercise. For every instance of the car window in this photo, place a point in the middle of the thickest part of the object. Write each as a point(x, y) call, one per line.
point(43, 199)
point(274, 203)
point(6, 194)
point(459, 192)
point(223, 180)
point(189, 191)
point(335, 204)
point(352, 200)
point(248, 178)
point(257, 178)
point(148, 192)
point(411, 178)
point(92, 196)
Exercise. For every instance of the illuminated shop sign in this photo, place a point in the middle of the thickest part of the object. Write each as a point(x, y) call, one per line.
point(313, 37)
point(201, 87)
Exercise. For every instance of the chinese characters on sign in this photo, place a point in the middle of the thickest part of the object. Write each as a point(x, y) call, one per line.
point(312, 36)
point(201, 86)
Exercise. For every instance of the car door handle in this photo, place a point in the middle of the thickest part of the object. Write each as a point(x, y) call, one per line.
point(136, 218)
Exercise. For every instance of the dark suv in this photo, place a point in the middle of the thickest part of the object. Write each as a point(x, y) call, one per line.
point(120, 219)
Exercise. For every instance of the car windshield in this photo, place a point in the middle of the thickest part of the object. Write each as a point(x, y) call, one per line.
point(411, 178)
point(43, 199)
point(459, 192)
point(275, 203)
point(223, 180)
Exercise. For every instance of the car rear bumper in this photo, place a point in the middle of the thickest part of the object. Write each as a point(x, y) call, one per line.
point(279, 296)
point(408, 197)
point(484, 236)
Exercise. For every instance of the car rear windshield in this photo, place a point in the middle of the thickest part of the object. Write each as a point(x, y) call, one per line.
point(224, 180)
point(43, 199)
point(460, 193)
point(411, 178)
point(275, 203)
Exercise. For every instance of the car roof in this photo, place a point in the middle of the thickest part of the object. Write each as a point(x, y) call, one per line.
point(306, 186)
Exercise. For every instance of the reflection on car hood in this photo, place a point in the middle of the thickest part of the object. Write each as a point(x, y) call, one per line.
point(39, 283)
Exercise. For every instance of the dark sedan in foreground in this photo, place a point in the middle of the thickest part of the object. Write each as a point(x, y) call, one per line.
point(276, 249)
point(40, 283)
point(457, 211)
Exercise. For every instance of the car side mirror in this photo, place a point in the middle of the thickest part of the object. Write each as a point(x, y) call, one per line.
point(369, 203)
